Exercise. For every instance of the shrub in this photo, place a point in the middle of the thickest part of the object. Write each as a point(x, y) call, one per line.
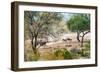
point(58, 54)
point(75, 53)
point(62, 53)
point(85, 51)
point(67, 54)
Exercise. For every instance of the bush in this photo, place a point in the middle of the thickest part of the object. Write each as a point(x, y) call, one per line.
point(62, 53)
point(58, 52)
point(67, 54)
point(85, 51)
point(75, 53)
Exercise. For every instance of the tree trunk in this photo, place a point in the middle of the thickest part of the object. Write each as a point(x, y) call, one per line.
point(82, 41)
point(78, 36)
point(34, 44)
point(84, 33)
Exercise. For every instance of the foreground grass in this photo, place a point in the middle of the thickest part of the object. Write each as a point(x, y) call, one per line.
point(59, 54)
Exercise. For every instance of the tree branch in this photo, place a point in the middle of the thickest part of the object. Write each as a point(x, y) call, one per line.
point(86, 32)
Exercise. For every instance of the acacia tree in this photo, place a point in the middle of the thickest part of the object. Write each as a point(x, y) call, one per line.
point(39, 24)
point(79, 23)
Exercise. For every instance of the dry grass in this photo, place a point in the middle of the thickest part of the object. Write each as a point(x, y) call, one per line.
point(47, 52)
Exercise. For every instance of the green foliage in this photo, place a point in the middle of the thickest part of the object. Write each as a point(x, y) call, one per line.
point(87, 45)
point(58, 52)
point(79, 22)
point(75, 53)
point(62, 52)
point(85, 51)
point(67, 54)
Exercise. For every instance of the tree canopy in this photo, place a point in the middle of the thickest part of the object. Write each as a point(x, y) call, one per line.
point(79, 23)
point(39, 24)
point(41, 21)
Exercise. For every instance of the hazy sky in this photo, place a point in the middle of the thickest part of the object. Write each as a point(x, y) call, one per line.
point(67, 15)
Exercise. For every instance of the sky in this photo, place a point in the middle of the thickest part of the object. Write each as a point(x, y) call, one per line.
point(67, 15)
